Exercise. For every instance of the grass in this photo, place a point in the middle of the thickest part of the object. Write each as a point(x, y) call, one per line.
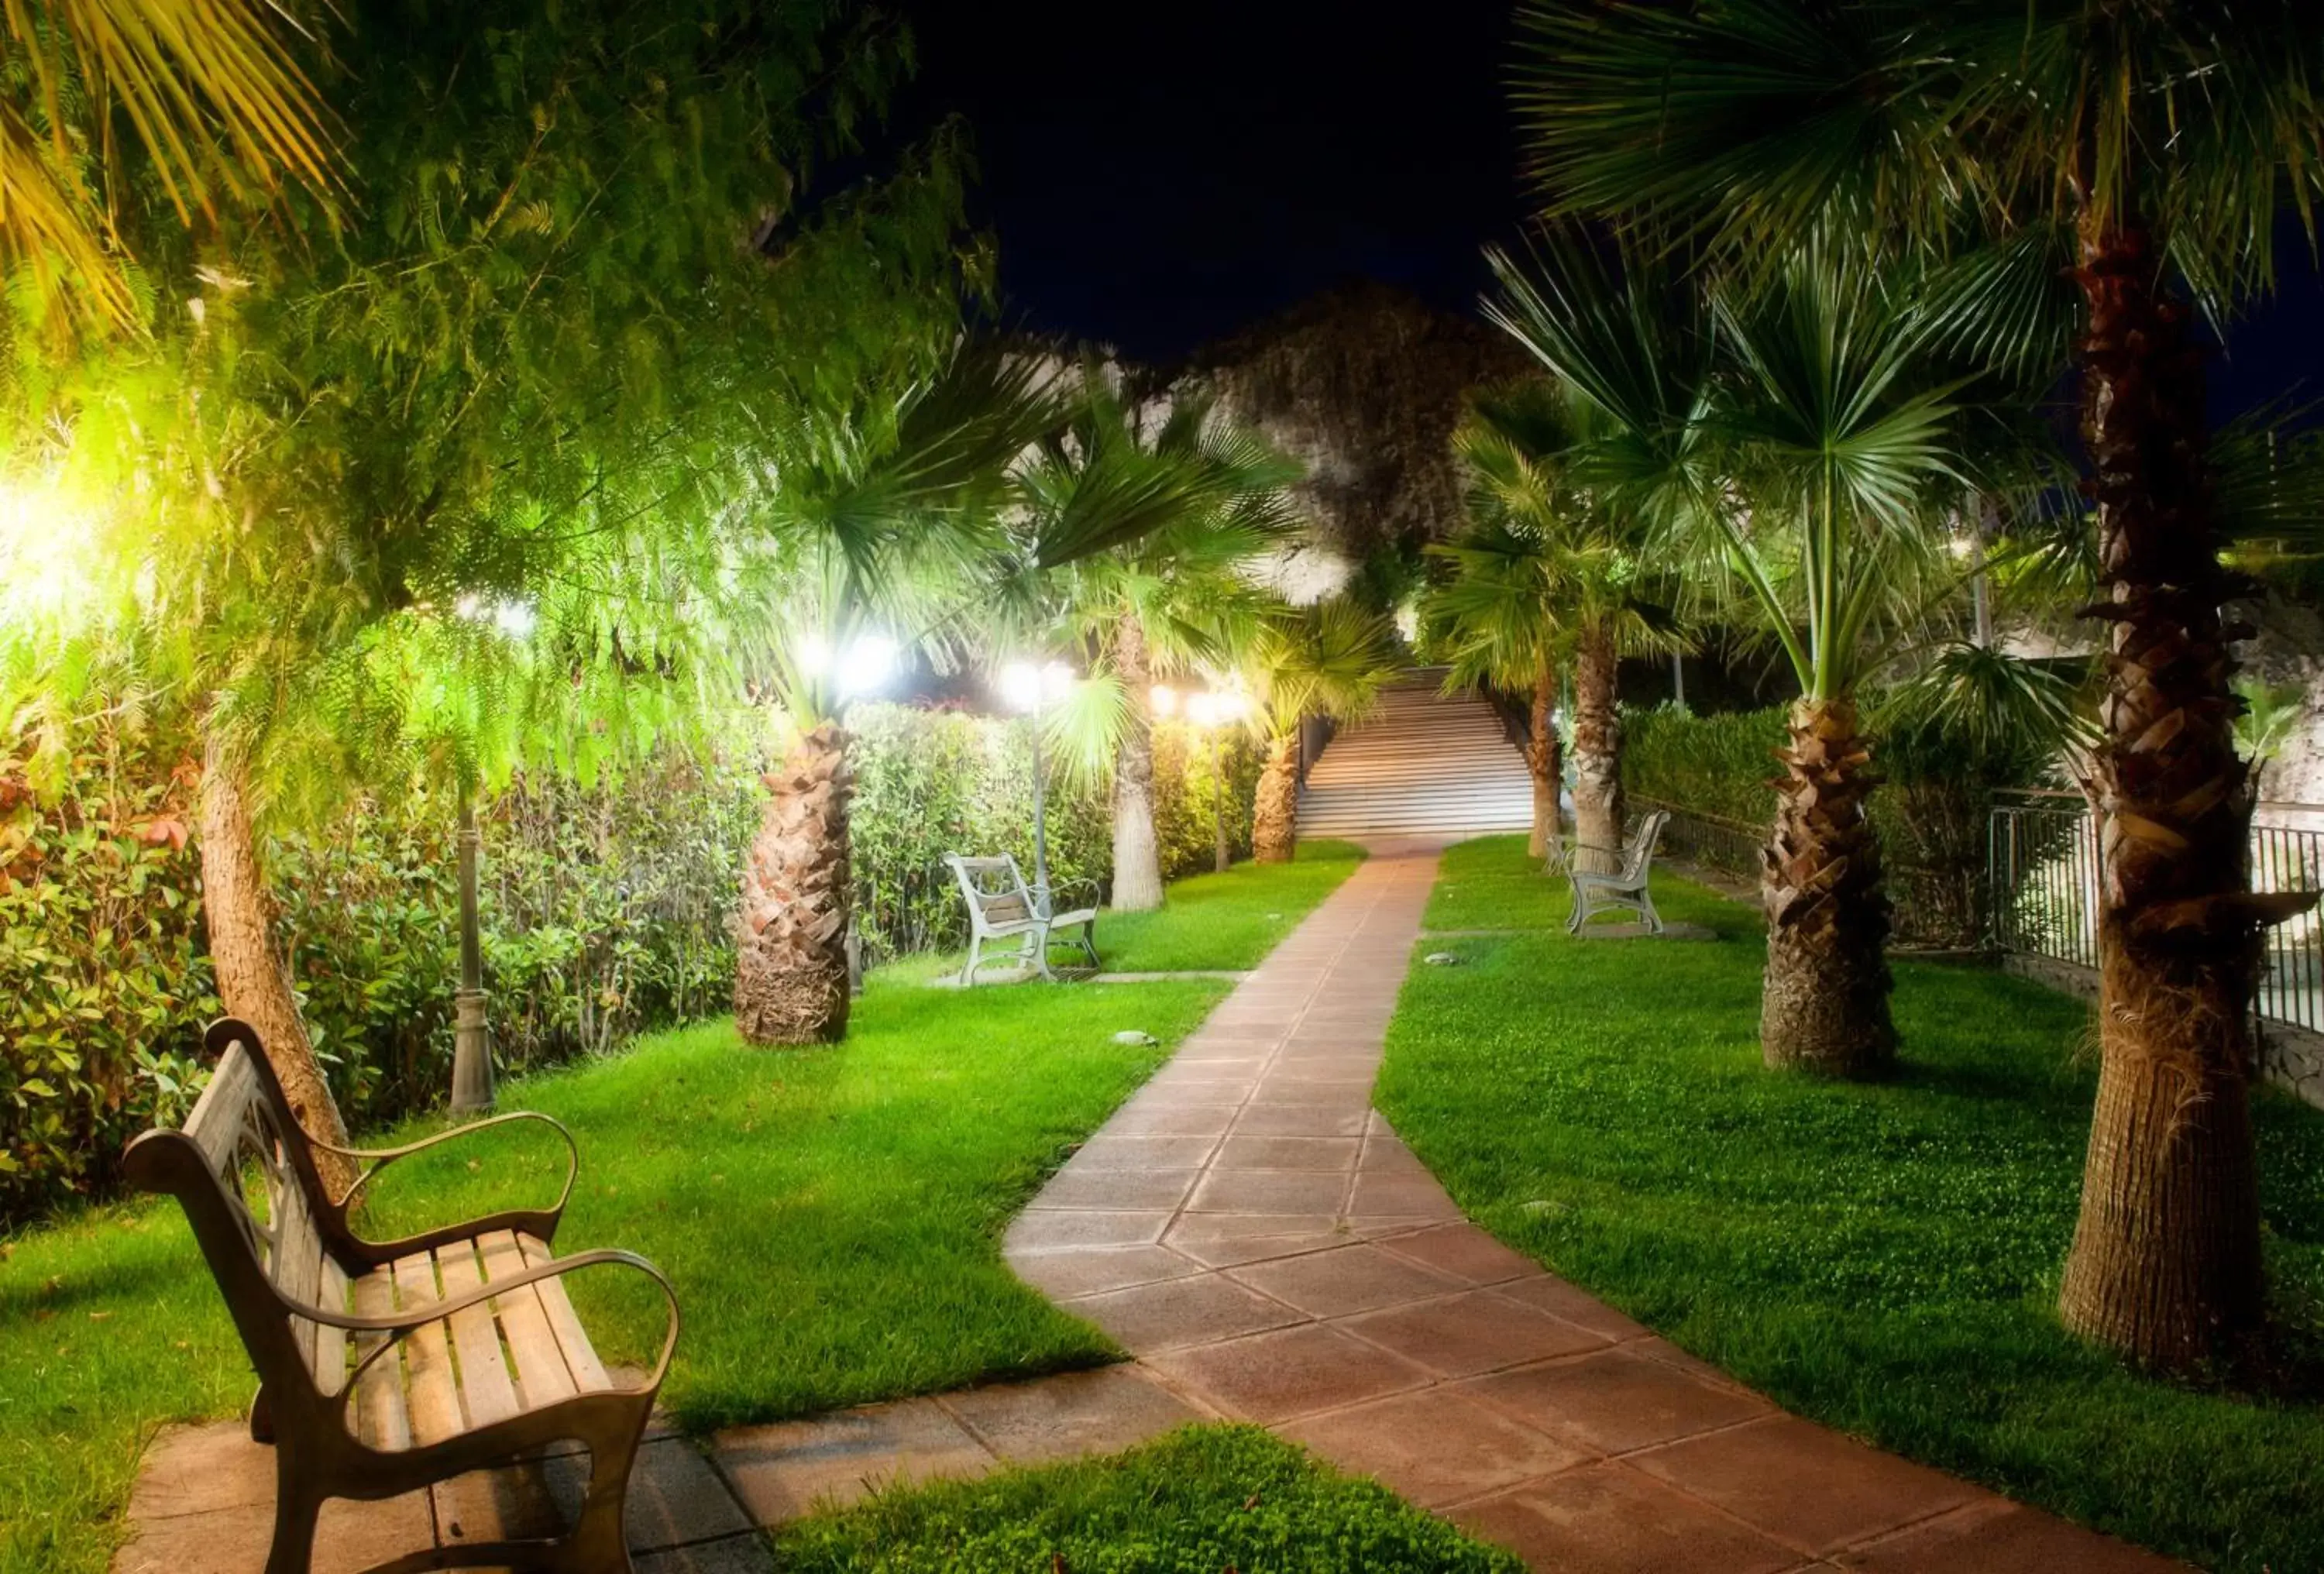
point(1225, 921)
point(1198, 1501)
point(830, 1218)
point(1881, 1258)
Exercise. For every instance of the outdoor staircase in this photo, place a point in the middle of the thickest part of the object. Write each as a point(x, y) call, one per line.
point(1421, 765)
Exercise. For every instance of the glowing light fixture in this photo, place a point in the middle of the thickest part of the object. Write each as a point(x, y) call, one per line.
point(869, 663)
point(1164, 699)
point(1026, 688)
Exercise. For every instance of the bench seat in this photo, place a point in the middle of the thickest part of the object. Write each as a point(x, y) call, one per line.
point(518, 1352)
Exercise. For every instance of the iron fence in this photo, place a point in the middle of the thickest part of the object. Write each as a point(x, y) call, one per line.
point(2043, 855)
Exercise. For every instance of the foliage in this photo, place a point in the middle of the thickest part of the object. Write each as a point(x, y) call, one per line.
point(933, 782)
point(1940, 782)
point(219, 106)
point(871, 1186)
point(1881, 1259)
point(1198, 1501)
point(102, 972)
point(603, 911)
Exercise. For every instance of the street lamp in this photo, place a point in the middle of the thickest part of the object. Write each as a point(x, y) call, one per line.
point(1028, 689)
point(1215, 712)
point(472, 1053)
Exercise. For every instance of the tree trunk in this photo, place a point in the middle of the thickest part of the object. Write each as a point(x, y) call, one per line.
point(1597, 756)
point(1137, 854)
point(1543, 759)
point(1275, 810)
point(2165, 1263)
point(790, 975)
point(1825, 1005)
point(253, 982)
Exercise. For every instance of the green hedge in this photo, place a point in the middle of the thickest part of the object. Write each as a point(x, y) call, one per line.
point(605, 912)
point(1930, 813)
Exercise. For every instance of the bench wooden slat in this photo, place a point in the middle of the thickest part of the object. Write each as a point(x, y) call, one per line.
point(589, 1374)
point(216, 1124)
point(297, 1268)
point(485, 1392)
point(541, 1374)
point(431, 1396)
point(380, 1418)
point(331, 1343)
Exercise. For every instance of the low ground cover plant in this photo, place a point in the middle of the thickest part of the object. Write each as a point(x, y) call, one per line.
point(1202, 1499)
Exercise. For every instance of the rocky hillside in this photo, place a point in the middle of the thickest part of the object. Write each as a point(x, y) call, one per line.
point(1363, 385)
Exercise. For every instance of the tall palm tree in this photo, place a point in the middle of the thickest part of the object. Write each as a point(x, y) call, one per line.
point(866, 550)
point(1196, 503)
point(1808, 451)
point(1328, 659)
point(1550, 564)
point(2152, 147)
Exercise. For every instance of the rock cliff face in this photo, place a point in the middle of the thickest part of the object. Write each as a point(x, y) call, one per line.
point(1363, 385)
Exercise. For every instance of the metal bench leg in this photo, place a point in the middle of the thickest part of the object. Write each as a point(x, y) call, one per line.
point(1088, 942)
point(1646, 906)
point(297, 1506)
point(968, 971)
point(1036, 947)
point(599, 1544)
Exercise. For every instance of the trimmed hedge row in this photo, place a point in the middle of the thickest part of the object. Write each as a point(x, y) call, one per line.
point(605, 913)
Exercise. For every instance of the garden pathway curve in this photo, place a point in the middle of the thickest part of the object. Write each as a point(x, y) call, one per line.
point(1255, 1234)
point(1268, 1251)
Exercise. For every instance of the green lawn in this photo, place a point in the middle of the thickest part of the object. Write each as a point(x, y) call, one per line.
point(1230, 920)
point(830, 1217)
point(1202, 1500)
point(1881, 1258)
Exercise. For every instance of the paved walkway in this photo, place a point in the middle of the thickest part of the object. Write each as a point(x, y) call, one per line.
point(1259, 1239)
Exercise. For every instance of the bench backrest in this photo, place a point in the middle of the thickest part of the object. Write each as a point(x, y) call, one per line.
point(995, 889)
point(243, 1171)
point(1641, 851)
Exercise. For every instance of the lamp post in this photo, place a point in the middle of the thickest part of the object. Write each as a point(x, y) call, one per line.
point(1028, 689)
point(1214, 713)
point(472, 1053)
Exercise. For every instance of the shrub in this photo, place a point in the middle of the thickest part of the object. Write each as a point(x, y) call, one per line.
point(1930, 813)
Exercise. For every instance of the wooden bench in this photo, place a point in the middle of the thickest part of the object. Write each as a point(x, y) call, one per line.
point(386, 1366)
point(1001, 907)
point(1624, 889)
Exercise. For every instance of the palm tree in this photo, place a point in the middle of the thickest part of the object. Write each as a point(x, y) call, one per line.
point(221, 109)
point(2152, 147)
point(867, 550)
point(1328, 659)
point(1194, 505)
point(1817, 415)
point(1549, 566)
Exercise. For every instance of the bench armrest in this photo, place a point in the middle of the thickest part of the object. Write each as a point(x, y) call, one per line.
point(1083, 893)
point(404, 1323)
point(375, 1160)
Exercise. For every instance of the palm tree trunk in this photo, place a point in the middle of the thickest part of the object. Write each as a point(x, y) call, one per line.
point(1136, 853)
point(252, 983)
point(2166, 1263)
point(1598, 810)
point(790, 975)
point(1275, 810)
point(1541, 758)
point(1825, 1005)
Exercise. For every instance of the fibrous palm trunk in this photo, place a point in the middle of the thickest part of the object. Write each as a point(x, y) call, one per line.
point(1543, 760)
point(2165, 1263)
point(790, 975)
point(1825, 1005)
point(1597, 756)
point(1274, 808)
point(1137, 854)
point(253, 982)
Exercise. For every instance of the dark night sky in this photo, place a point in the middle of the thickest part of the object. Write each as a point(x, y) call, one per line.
point(1158, 175)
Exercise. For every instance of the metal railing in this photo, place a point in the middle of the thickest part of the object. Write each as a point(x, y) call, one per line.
point(2043, 857)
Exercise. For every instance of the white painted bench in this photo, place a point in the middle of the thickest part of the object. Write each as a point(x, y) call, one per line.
point(1624, 889)
point(1001, 906)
